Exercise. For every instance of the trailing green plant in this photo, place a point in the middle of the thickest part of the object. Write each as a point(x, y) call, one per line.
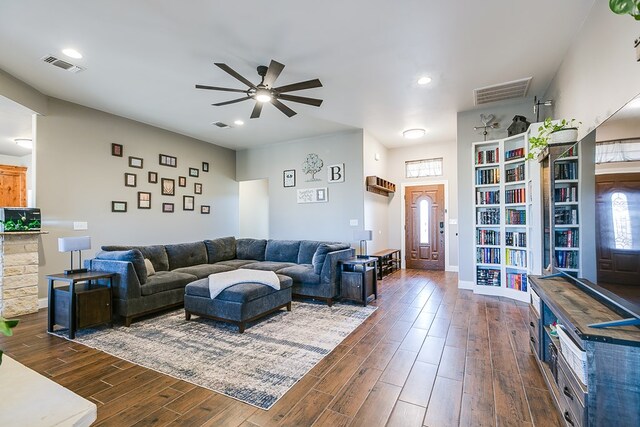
point(537, 144)
point(626, 7)
point(20, 224)
point(6, 327)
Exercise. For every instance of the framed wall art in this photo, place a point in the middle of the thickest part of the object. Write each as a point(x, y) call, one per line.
point(135, 162)
point(194, 172)
point(153, 177)
point(167, 207)
point(205, 167)
point(197, 188)
point(118, 206)
point(170, 161)
point(188, 203)
point(144, 200)
point(335, 173)
point(182, 181)
point(205, 209)
point(313, 195)
point(117, 150)
point(168, 186)
point(130, 179)
point(289, 178)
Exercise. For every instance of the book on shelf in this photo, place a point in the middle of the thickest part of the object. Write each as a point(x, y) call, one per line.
point(488, 216)
point(566, 216)
point(516, 258)
point(517, 195)
point(487, 197)
point(484, 157)
point(516, 238)
point(488, 255)
point(488, 176)
point(567, 259)
point(565, 171)
point(567, 238)
point(517, 153)
point(566, 194)
point(516, 217)
point(515, 174)
point(487, 237)
point(517, 281)
point(488, 277)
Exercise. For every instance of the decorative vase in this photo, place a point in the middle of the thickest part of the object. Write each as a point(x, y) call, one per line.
point(564, 135)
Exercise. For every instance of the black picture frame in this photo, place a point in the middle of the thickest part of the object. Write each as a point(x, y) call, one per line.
point(205, 166)
point(144, 200)
point(117, 150)
point(166, 160)
point(168, 208)
point(188, 203)
point(118, 206)
point(205, 209)
point(168, 186)
point(136, 162)
point(197, 188)
point(193, 172)
point(182, 181)
point(289, 178)
point(153, 177)
point(130, 180)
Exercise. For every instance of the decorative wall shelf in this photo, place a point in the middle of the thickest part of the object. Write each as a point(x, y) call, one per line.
point(380, 186)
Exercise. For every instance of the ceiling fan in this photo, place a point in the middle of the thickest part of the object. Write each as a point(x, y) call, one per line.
point(264, 91)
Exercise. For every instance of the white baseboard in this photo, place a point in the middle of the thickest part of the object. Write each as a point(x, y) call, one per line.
point(465, 284)
point(43, 303)
point(452, 268)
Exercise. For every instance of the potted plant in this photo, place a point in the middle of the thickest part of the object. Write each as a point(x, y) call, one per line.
point(552, 133)
point(6, 327)
point(623, 7)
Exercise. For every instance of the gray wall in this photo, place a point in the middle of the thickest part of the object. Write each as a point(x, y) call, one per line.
point(322, 221)
point(77, 178)
point(254, 209)
point(376, 206)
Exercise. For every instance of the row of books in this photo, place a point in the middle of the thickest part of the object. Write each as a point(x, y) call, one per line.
point(489, 216)
point(567, 239)
point(488, 255)
point(517, 195)
point(571, 152)
point(487, 237)
point(516, 216)
point(516, 238)
point(566, 216)
point(487, 176)
point(566, 194)
point(567, 259)
point(487, 197)
point(515, 257)
point(517, 281)
point(488, 277)
point(565, 170)
point(487, 156)
point(515, 174)
point(517, 153)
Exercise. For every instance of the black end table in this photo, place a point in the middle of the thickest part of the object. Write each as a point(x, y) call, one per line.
point(82, 302)
point(358, 279)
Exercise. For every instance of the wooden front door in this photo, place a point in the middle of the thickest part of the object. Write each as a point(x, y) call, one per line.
point(424, 227)
point(618, 228)
point(13, 186)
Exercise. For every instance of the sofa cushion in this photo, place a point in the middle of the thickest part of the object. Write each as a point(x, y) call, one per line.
point(186, 254)
point(166, 281)
point(302, 273)
point(236, 263)
point(134, 256)
point(282, 250)
point(267, 265)
point(307, 249)
point(154, 253)
point(203, 270)
point(250, 249)
point(243, 292)
point(221, 249)
point(321, 254)
point(149, 266)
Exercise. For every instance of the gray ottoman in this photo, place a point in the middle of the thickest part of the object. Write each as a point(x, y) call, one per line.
point(238, 304)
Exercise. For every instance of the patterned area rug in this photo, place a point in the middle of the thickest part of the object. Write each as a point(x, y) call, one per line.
point(257, 367)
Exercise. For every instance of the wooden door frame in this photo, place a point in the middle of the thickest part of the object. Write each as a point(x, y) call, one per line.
point(403, 192)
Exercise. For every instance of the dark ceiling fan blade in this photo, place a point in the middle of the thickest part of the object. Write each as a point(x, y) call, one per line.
point(301, 99)
point(274, 70)
point(231, 71)
point(233, 101)
point(280, 106)
point(309, 84)
point(225, 89)
point(257, 110)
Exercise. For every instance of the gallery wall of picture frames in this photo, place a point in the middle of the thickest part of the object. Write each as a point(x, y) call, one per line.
point(167, 184)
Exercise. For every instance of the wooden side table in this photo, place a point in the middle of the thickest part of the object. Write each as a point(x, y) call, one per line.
point(81, 303)
point(358, 281)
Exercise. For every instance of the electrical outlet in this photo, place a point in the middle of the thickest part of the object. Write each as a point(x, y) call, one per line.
point(80, 225)
point(353, 222)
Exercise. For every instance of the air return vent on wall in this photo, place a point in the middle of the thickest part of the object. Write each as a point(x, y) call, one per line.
point(50, 59)
point(502, 91)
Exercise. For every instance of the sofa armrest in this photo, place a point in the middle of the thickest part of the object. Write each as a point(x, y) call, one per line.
point(329, 272)
point(125, 284)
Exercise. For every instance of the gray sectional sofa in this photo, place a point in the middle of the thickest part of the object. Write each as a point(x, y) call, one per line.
point(153, 278)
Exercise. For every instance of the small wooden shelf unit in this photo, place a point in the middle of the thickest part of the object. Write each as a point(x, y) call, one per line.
point(380, 186)
point(388, 261)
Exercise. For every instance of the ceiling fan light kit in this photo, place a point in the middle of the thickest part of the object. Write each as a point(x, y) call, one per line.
point(264, 92)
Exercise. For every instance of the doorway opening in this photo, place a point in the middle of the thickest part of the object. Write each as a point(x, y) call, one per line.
point(254, 208)
point(425, 227)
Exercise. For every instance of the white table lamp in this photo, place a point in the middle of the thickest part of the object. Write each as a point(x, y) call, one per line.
point(73, 244)
point(363, 236)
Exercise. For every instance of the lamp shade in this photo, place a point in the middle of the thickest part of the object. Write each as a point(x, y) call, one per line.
point(363, 235)
point(68, 244)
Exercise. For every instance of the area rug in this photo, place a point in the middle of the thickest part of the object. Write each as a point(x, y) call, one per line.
point(257, 367)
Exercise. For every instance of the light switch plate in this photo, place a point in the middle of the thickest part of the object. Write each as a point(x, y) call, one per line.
point(453, 221)
point(353, 222)
point(80, 225)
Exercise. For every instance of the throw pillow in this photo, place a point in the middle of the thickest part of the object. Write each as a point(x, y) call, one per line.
point(321, 254)
point(150, 270)
point(134, 256)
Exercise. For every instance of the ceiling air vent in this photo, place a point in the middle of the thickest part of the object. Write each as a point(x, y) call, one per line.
point(502, 91)
point(221, 125)
point(50, 59)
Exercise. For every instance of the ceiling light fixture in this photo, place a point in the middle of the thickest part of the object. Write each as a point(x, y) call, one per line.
point(72, 53)
point(238, 122)
point(425, 80)
point(263, 95)
point(413, 133)
point(24, 142)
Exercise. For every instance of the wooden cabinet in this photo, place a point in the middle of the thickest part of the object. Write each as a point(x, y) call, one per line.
point(358, 281)
point(380, 186)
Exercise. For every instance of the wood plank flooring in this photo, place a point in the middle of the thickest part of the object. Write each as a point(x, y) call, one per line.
point(430, 355)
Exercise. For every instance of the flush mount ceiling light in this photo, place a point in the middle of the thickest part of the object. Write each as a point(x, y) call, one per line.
point(238, 122)
point(24, 142)
point(413, 133)
point(72, 53)
point(424, 80)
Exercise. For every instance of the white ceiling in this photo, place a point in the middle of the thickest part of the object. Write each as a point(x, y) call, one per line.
point(143, 59)
point(15, 122)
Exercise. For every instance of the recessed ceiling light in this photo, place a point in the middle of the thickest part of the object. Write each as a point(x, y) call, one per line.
point(413, 133)
point(424, 80)
point(238, 122)
point(24, 142)
point(72, 53)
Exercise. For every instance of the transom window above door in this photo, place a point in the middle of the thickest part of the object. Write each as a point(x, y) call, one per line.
point(423, 168)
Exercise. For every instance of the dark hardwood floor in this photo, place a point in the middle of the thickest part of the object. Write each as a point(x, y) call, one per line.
point(430, 355)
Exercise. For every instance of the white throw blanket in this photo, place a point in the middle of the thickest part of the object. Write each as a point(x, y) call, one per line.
point(218, 282)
